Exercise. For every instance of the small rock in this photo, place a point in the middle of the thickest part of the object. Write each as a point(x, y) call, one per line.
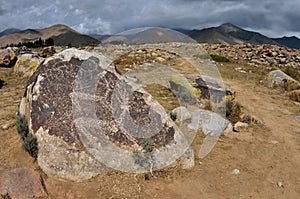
point(270, 108)
point(297, 131)
point(280, 184)
point(286, 112)
point(235, 171)
point(297, 118)
point(21, 183)
point(240, 126)
point(274, 142)
point(8, 124)
point(182, 114)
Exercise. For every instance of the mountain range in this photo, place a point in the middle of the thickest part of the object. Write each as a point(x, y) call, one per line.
point(224, 34)
point(61, 34)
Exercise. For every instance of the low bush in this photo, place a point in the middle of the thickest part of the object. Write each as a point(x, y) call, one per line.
point(5, 196)
point(30, 143)
point(233, 111)
point(219, 58)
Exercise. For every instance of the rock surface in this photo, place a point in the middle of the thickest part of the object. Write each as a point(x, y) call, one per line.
point(80, 126)
point(257, 55)
point(277, 78)
point(27, 64)
point(7, 58)
point(21, 183)
point(240, 126)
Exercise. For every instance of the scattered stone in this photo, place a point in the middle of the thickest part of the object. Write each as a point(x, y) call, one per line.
point(182, 114)
point(270, 108)
point(21, 183)
point(297, 117)
point(240, 126)
point(47, 52)
point(285, 112)
point(297, 131)
point(247, 118)
point(8, 124)
point(274, 142)
point(235, 171)
point(239, 69)
point(280, 184)
point(210, 123)
point(258, 55)
point(8, 58)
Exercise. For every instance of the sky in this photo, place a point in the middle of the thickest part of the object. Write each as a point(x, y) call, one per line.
point(273, 18)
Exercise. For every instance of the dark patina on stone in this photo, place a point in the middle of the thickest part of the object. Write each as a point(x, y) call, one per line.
point(49, 107)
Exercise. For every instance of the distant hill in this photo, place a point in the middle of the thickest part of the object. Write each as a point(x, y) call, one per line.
point(229, 34)
point(61, 34)
point(148, 35)
point(291, 42)
point(100, 37)
point(9, 31)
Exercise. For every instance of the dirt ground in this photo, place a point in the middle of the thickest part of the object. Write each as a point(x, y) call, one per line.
point(264, 156)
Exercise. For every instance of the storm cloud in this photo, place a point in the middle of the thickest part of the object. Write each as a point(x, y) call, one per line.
point(274, 18)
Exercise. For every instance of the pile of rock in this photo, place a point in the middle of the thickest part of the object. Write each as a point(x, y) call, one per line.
point(257, 55)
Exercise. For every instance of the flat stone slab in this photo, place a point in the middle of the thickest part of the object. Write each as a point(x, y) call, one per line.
point(21, 183)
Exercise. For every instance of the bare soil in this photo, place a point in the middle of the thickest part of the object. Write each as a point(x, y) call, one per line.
point(264, 156)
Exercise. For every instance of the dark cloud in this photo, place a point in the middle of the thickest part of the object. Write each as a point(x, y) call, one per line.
point(271, 17)
point(2, 11)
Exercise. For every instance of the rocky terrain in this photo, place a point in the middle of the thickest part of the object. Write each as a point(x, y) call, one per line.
point(256, 156)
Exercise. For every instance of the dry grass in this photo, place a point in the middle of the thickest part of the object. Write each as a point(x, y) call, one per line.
point(10, 95)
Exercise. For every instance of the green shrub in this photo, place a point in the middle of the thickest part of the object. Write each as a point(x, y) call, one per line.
point(30, 143)
point(148, 145)
point(22, 126)
point(145, 158)
point(219, 58)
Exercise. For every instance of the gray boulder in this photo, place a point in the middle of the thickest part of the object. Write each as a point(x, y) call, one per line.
point(87, 119)
point(277, 78)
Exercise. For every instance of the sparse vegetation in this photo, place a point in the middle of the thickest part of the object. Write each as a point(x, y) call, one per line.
point(233, 110)
point(294, 73)
point(5, 196)
point(144, 159)
point(30, 143)
point(219, 58)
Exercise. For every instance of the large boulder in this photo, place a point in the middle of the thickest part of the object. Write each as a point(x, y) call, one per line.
point(21, 183)
point(278, 78)
point(27, 64)
point(87, 118)
point(8, 58)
